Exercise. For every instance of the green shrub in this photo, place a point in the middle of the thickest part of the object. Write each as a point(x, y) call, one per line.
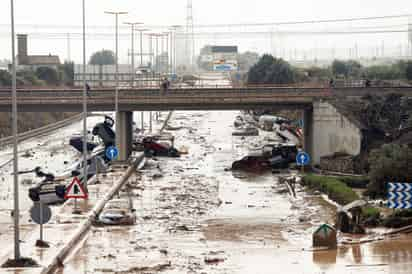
point(370, 212)
point(355, 182)
point(335, 189)
point(406, 213)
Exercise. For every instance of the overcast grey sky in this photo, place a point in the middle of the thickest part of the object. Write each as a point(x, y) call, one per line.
point(162, 12)
point(210, 11)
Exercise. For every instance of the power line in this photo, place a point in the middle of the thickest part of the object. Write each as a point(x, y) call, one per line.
point(108, 36)
point(342, 20)
point(280, 23)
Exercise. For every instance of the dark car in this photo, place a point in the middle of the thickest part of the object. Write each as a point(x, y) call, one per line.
point(286, 151)
point(152, 147)
point(255, 163)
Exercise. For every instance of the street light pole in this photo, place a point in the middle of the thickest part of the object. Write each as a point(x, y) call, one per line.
point(166, 35)
point(174, 28)
point(15, 141)
point(141, 65)
point(84, 101)
point(157, 54)
point(133, 72)
point(116, 13)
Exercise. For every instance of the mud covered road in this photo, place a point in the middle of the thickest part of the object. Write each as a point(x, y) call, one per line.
point(195, 217)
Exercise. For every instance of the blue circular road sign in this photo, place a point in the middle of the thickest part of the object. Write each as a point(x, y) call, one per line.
point(302, 158)
point(112, 153)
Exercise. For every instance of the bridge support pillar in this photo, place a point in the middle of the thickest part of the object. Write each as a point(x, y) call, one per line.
point(308, 132)
point(124, 134)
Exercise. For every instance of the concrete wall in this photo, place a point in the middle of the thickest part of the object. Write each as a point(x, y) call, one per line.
point(333, 132)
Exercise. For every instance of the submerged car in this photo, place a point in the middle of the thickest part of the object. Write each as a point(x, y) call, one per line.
point(252, 162)
point(154, 147)
point(77, 142)
point(247, 131)
point(286, 151)
point(118, 212)
point(51, 188)
point(239, 122)
point(275, 156)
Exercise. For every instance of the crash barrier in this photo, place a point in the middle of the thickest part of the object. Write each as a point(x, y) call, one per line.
point(41, 130)
point(86, 224)
point(166, 121)
point(290, 184)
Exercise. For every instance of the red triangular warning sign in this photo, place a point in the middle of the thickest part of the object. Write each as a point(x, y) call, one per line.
point(75, 190)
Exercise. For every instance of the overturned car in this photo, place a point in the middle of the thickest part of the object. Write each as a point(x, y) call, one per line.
point(157, 146)
point(276, 156)
point(51, 188)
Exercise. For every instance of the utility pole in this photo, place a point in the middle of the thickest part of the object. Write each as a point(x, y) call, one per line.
point(116, 13)
point(141, 65)
point(157, 54)
point(133, 72)
point(171, 52)
point(141, 44)
point(15, 141)
point(84, 101)
point(68, 48)
point(190, 39)
point(174, 55)
point(167, 51)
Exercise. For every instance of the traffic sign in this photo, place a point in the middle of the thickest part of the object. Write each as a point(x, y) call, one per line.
point(399, 195)
point(399, 187)
point(399, 204)
point(302, 159)
point(75, 190)
point(40, 213)
point(112, 153)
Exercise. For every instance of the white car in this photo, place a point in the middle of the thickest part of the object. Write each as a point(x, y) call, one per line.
point(118, 212)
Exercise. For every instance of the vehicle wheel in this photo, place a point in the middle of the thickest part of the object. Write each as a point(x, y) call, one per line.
point(173, 153)
point(284, 154)
point(95, 131)
point(150, 153)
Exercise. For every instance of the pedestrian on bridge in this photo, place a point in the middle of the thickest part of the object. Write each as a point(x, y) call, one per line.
point(88, 90)
point(331, 83)
point(165, 86)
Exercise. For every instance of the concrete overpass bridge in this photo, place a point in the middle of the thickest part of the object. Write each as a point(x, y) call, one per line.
point(216, 98)
point(316, 118)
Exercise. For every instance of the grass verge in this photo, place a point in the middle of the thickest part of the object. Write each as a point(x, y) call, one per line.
point(337, 190)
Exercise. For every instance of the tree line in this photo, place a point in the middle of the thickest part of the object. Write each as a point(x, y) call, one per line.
point(271, 70)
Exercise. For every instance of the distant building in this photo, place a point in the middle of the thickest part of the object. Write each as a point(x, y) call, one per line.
point(220, 58)
point(33, 61)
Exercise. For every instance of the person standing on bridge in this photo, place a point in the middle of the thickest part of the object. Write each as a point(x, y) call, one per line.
point(88, 90)
point(165, 86)
point(331, 83)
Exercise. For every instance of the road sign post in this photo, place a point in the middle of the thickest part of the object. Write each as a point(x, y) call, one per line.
point(112, 153)
point(302, 159)
point(76, 191)
point(40, 214)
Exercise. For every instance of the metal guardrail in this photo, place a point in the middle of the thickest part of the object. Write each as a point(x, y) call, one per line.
point(41, 131)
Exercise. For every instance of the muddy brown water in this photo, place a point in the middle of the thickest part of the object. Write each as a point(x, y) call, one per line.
point(199, 218)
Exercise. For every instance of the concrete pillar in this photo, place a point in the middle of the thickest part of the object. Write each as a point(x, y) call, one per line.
point(124, 134)
point(308, 132)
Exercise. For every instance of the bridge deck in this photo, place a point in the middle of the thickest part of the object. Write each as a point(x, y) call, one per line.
point(180, 99)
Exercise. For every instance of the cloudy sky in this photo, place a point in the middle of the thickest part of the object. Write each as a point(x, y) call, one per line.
point(53, 16)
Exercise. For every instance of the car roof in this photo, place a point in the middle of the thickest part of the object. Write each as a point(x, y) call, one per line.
point(117, 203)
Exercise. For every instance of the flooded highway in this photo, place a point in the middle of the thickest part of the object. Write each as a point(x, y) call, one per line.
point(195, 217)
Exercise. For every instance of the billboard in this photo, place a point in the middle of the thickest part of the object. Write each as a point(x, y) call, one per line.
point(223, 65)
